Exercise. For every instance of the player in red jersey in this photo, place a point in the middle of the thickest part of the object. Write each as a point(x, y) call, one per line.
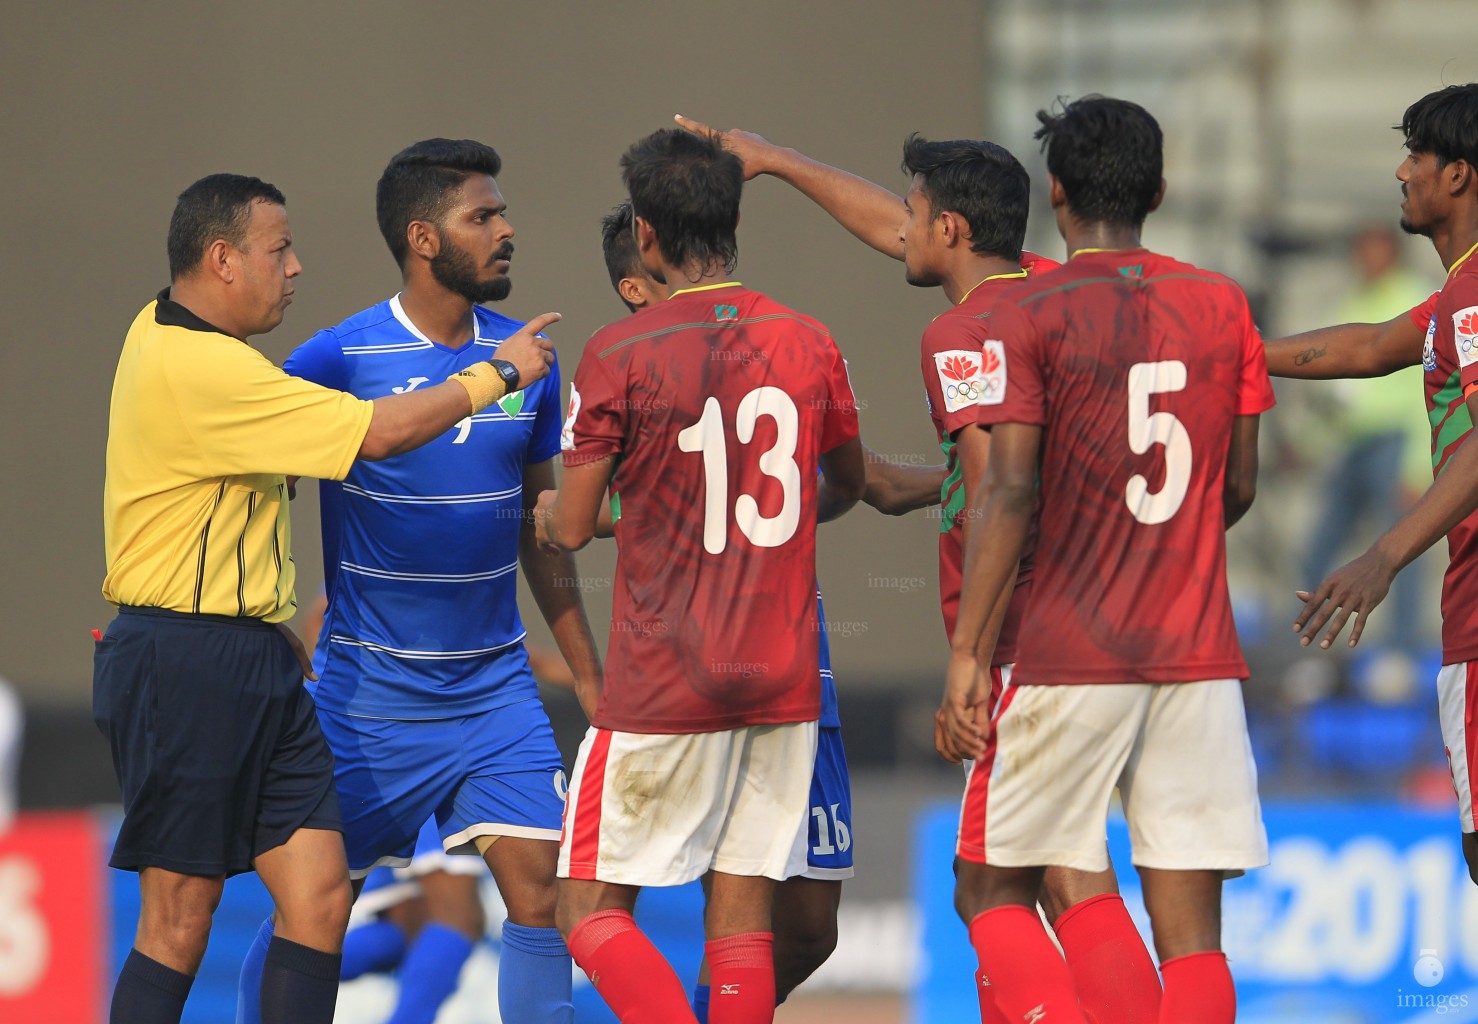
point(1439, 183)
point(960, 228)
point(1130, 384)
point(707, 415)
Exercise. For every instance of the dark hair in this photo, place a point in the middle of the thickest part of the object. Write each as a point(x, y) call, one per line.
point(980, 181)
point(619, 247)
point(1444, 123)
point(1109, 156)
point(216, 206)
point(418, 182)
point(687, 188)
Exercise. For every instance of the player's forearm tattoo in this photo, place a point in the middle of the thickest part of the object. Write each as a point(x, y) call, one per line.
point(1308, 355)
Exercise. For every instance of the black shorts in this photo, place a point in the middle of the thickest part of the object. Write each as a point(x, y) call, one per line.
point(215, 741)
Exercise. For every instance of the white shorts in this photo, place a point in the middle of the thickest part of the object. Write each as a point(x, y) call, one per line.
point(1177, 752)
point(1457, 700)
point(646, 809)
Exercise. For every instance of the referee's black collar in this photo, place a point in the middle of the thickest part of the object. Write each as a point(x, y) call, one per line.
point(169, 313)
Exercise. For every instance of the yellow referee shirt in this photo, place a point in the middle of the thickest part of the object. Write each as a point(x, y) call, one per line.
point(202, 432)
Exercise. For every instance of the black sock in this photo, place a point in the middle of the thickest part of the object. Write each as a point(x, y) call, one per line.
point(148, 992)
point(299, 984)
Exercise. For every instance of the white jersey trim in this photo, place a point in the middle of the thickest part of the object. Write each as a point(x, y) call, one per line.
point(395, 652)
point(827, 874)
point(433, 499)
point(428, 577)
point(462, 842)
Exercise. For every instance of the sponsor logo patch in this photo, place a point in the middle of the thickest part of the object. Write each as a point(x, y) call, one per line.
point(959, 378)
point(1429, 348)
point(1465, 335)
point(993, 373)
point(567, 433)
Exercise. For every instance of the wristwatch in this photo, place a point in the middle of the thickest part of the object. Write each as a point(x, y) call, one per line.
point(508, 372)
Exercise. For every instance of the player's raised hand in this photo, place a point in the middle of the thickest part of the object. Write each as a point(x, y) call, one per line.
point(530, 354)
point(543, 518)
point(1351, 590)
point(756, 152)
point(962, 722)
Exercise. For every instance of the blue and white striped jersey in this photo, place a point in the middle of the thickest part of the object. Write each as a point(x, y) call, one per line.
point(421, 550)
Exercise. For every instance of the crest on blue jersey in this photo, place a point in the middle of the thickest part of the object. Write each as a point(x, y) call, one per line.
point(512, 404)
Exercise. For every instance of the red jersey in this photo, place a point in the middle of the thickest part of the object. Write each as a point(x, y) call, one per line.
point(955, 371)
point(1135, 366)
point(1450, 357)
point(716, 403)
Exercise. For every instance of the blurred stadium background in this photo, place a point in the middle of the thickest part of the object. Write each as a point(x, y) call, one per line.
point(1277, 119)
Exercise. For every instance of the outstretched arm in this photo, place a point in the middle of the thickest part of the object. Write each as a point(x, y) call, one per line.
point(895, 489)
point(868, 210)
point(1349, 350)
point(405, 421)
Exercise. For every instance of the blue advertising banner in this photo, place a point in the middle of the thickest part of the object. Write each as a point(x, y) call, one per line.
point(1366, 915)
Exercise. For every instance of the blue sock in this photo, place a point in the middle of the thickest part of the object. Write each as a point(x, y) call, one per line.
point(428, 974)
point(371, 948)
point(534, 976)
point(147, 990)
point(249, 988)
point(700, 1003)
point(300, 984)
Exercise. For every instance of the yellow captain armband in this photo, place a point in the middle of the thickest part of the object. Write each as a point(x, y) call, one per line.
point(484, 384)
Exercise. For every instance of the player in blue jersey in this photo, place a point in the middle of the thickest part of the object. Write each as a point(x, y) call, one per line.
point(424, 690)
point(804, 913)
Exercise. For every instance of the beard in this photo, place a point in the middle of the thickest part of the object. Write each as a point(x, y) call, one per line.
point(1415, 229)
point(921, 278)
point(456, 271)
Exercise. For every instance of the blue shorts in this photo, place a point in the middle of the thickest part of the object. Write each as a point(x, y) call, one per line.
point(494, 773)
point(829, 832)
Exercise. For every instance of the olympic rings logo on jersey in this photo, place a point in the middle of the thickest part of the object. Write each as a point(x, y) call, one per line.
point(1465, 335)
point(968, 391)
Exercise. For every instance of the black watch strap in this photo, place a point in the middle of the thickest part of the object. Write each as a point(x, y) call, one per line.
point(508, 372)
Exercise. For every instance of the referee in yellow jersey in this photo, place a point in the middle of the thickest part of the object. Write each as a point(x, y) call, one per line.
point(197, 682)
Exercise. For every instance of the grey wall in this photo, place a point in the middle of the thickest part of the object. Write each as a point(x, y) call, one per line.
point(111, 109)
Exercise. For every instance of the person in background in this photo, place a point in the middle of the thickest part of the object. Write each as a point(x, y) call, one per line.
point(1387, 434)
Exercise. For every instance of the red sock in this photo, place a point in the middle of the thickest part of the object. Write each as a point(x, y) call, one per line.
point(741, 979)
point(632, 977)
point(1112, 971)
point(1031, 982)
point(990, 1013)
point(1198, 990)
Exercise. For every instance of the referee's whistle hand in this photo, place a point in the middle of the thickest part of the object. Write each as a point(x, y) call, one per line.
point(532, 355)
